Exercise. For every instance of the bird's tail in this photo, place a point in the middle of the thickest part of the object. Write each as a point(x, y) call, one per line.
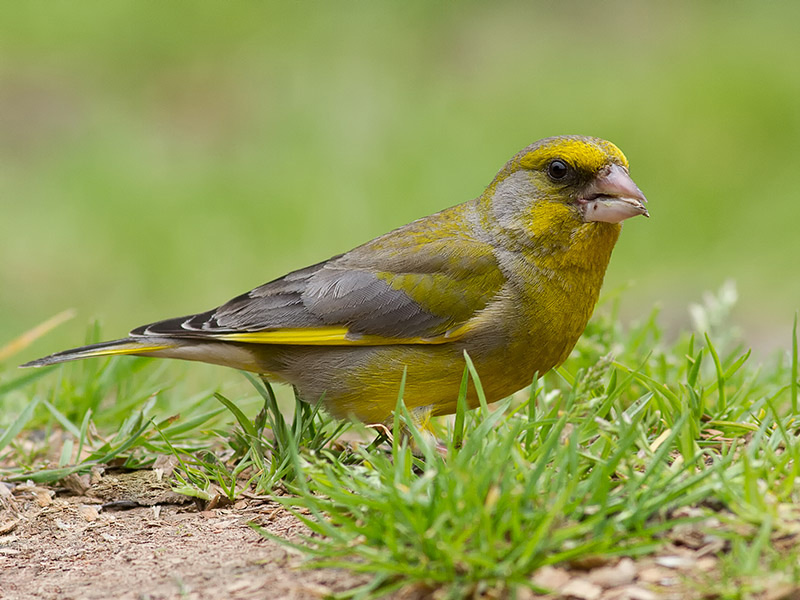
point(116, 347)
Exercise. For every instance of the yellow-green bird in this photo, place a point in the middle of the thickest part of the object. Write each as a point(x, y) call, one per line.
point(510, 277)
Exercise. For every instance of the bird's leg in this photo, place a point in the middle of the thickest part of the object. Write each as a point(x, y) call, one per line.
point(383, 434)
point(421, 421)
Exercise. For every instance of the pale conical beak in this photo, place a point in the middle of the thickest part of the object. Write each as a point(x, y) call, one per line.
point(612, 197)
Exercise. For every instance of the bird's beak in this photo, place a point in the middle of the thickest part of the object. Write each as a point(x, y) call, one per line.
point(612, 197)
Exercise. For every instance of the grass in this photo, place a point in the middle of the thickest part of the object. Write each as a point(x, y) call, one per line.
point(601, 458)
point(597, 466)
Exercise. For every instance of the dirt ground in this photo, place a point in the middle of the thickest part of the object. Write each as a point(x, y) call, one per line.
point(85, 547)
point(128, 536)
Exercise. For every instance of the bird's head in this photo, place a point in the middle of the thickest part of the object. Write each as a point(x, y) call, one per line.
point(573, 179)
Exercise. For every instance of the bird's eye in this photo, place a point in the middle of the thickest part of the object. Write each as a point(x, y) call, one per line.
point(557, 170)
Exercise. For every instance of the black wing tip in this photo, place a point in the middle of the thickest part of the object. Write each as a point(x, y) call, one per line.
point(39, 362)
point(72, 354)
point(53, 359)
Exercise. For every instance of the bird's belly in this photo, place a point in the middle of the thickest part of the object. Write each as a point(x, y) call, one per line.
point(512, 343)
point(365, 382)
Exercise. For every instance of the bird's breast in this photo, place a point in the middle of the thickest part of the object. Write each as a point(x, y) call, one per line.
point(548, 298)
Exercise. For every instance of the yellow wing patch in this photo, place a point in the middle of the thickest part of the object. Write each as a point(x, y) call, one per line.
point(332, 336)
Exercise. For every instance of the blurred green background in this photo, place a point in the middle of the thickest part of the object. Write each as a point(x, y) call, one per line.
point(157, 159)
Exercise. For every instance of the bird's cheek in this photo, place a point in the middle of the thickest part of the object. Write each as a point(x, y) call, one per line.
point(546, 220)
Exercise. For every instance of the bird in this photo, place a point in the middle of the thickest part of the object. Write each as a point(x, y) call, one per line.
point(509, 278)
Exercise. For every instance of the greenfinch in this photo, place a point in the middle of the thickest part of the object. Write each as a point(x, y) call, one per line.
point(511, 278)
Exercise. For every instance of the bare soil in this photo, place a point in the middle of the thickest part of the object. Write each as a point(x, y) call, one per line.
point(128, 536)
point(59, 546)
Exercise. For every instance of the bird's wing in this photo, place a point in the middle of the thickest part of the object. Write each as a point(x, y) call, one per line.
point(399, 294)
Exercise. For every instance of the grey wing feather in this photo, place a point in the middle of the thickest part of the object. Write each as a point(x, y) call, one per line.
point(274, 305)
point(367, 304)
point(325, 294)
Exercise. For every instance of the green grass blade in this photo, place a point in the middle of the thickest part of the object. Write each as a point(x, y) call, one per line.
point(26, 379)
point(19, 423)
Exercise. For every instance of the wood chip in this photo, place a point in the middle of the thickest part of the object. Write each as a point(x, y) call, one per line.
point(689, 536)
point(691, 512)
point(43, 497)
point(8, 526)
point(622, 573)
point(674, 562)
point(96, 474)
point(590, 561)
point(5, 491)
point(714, 546)
point(142, 488)
point(219, 500)
point(89, 513)
point(580, 589)
point(77, 484)
point(785, 542)
point(658, 575)
point(551, 578)
point(164, 466)
point(707, 563)
point(630, 592)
